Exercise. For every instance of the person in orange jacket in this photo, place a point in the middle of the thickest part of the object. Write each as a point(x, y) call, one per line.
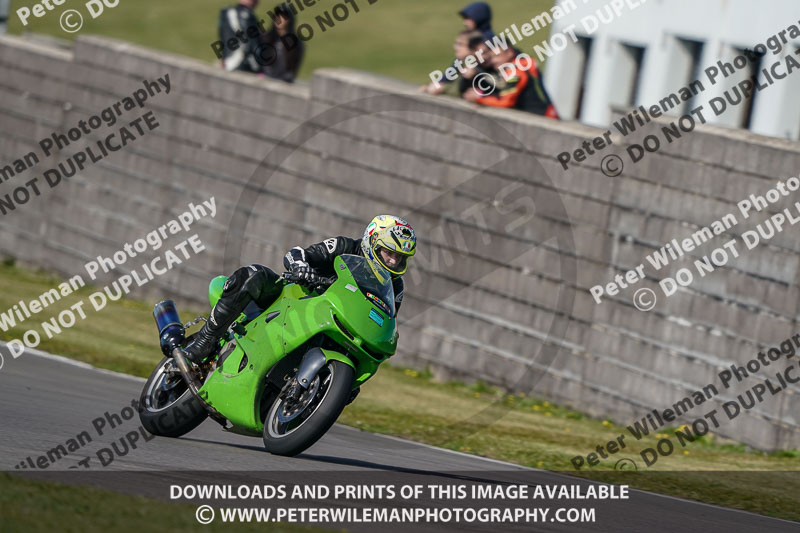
point(517, 83)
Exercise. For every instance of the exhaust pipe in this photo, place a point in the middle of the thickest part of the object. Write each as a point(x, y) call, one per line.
point(194, 385)
point(190, 379)
point(172, 335)
point(170, 328)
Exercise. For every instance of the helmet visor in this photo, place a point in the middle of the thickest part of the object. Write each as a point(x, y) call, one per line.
point(394, 262)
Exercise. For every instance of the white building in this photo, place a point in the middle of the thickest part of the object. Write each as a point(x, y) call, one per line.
point(4, 8)
point(651, 50)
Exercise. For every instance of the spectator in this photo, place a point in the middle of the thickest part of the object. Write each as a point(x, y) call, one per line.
point(239, 24)
point(288, 49)
point(248, 47)
point(477, 17)
point(461, 49)
point(517, 88)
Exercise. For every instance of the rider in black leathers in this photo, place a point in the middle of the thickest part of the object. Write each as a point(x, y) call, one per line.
point(388, 239)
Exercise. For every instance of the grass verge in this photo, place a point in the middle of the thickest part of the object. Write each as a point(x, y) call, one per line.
point(409, 404)
point(405, 39)
point(44, 507)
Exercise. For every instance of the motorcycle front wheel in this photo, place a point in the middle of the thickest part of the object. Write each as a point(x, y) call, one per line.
point(292, 427)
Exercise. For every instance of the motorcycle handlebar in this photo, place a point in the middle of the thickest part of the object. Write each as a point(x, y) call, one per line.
point(321, 283)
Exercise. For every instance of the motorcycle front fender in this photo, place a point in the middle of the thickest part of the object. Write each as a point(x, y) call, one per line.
point(314, 360)
point(312, 363)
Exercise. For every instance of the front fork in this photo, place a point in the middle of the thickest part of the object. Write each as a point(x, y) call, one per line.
point(311, 364)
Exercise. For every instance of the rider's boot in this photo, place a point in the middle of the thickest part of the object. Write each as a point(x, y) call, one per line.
point(206, 341)
point(253, 283)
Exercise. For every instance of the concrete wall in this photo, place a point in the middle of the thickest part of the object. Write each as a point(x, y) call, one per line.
point(497, 312)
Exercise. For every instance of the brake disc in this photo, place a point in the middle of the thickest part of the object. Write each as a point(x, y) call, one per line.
point(287, 415)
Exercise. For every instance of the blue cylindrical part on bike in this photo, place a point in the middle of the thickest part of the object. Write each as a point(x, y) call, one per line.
point(166, 314)
point(170, 328)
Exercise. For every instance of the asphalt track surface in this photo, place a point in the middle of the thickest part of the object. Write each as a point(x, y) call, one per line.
point(45, 400)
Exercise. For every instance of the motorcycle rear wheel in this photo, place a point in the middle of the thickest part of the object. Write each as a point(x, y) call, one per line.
point(167, 407)
point(289, 430)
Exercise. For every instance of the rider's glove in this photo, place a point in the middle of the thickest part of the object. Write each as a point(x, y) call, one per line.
point(306, 274)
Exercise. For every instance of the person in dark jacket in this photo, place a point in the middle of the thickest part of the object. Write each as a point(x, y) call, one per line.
point(282, 49)
point(462, 51)
point(239, 34)
point(245, 44)
point(477, 16)
point(388, 244)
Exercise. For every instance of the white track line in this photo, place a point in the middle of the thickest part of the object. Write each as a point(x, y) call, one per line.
point(73, 362)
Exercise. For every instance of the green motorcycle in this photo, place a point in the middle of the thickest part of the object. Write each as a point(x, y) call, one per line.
point(284, 373)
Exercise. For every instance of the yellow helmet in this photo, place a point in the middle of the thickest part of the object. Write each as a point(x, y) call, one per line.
point(393, 234)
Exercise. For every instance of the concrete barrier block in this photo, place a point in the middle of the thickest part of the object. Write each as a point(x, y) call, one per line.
point(485, 316)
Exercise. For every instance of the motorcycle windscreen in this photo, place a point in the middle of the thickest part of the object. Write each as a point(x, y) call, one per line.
point(376, 286)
